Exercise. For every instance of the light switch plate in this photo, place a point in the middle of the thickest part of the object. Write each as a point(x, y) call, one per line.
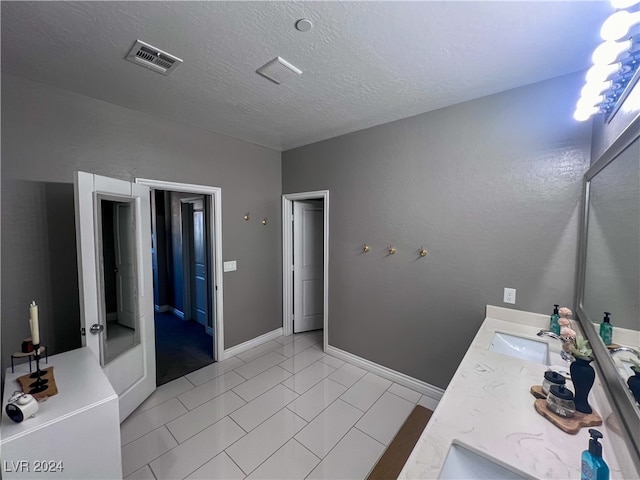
point(230, 266)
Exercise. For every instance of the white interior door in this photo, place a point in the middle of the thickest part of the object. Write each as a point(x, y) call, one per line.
point(198, 266)
point(128, 356)
point(308, 269)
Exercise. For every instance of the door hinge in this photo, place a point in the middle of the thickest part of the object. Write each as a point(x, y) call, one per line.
point(83, 332)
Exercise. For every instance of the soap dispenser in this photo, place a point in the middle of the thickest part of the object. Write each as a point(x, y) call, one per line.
point(554, 324)
point(593, 465)
point(606, 329)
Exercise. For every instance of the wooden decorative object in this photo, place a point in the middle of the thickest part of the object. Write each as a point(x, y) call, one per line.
point(570, 425)
point(538, 392)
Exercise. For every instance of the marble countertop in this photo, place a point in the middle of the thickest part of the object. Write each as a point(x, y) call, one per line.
point(488, 407)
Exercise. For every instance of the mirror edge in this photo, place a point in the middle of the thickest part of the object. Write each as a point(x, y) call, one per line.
point(617, 392)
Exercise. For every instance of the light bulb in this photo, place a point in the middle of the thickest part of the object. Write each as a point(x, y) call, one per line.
point(591, 89)
point(608, 52)
point(588, 102)
point(618, 24)
point(599, 73)
point(619, 4)
point(583, 115)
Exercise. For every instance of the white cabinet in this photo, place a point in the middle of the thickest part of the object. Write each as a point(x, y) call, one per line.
point(74, 434)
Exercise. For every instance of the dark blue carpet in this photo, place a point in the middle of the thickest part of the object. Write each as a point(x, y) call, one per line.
point(181, 347)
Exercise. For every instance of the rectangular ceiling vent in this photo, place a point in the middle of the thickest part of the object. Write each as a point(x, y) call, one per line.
point(153, 58)
point(278, 70)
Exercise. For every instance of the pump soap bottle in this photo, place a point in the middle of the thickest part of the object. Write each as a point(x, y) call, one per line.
point(554, 324)
point(593, 465)
point(606, 329)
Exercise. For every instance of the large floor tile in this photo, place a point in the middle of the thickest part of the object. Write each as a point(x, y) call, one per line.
point(297, 345)
point(259, 365)
point(211, 389)
point(221, 467)
point(404, 392)
point(261, 383)
point(164, 393)
point(212, 371)
point(316, 399)
point(385, 417)
point(332, 361)
point(291, 462)
point(138, 453)
point(366, 391)
point(258, 351)
point(139, 425)
point(206, 414)
point(198, 450)
point(428, 402)
point(329, 427)
point(262, 442)
point(302, 360)
point(307, 378)
point(347, 374)
point(258, 410)
point(144, 473)
point(352, 458)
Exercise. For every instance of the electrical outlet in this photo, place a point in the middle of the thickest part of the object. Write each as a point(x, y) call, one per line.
point(509, 295)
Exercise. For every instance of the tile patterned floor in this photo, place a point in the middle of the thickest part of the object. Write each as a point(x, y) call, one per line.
point(282, 410)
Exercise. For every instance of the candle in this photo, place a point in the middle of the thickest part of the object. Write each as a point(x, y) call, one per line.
point(33, 323)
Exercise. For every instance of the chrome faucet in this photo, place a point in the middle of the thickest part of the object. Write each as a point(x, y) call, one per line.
point(566, 356)
point(624, 349)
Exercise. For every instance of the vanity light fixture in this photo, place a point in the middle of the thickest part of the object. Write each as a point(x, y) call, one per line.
point(615, 63)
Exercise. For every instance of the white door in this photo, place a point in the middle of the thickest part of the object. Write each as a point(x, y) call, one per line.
point(128, 355)
point(198, 263)
point(308, 258)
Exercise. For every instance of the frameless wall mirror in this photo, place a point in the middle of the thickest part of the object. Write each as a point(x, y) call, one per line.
point(609, 271)
point(118, 282)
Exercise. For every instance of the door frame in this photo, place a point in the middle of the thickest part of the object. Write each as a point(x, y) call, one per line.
point(287, 259)
point(215, 262)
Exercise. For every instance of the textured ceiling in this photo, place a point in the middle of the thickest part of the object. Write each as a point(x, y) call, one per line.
point(363, 63)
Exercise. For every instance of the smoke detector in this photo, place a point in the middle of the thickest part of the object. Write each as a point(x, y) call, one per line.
point(153, 58)
point(278, 70)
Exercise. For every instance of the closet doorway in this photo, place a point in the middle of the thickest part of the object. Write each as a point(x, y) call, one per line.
point(186, 252)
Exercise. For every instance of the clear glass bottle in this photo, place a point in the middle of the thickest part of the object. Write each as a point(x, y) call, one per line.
point(552, 378)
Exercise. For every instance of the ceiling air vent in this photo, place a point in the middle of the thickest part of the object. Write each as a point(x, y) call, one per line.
point(153, 58)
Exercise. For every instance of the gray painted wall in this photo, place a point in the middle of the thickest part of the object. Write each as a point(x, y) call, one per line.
point(49, 133)
point(491, 188)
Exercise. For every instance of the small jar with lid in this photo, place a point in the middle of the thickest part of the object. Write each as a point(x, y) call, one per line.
point(552, 378)
point(560, 401)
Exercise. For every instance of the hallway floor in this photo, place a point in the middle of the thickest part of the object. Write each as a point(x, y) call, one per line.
point(282, 410)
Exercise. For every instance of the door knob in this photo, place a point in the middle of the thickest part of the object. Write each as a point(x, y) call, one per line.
point(96, 329)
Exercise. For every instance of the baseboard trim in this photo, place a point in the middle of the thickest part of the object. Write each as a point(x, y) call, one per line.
point(161, 308)
point(177, 313)
point(243, 347)
point(431, 391)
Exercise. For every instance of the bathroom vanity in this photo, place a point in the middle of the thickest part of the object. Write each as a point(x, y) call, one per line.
point(486, 424)
point(74, 434)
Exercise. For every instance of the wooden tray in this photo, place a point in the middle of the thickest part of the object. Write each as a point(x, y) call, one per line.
point(538, 392)
point(570, 425)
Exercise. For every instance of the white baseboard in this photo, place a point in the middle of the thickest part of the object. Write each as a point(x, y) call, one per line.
point(161, 308)
point(243, 347)
point(433, 393)
point(177, 312)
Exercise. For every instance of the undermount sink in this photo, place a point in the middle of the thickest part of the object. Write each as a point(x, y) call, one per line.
point(463, 463)
point(536, 351)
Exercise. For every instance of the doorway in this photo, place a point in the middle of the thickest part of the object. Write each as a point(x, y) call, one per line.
point(305, 262)
point(186, 252)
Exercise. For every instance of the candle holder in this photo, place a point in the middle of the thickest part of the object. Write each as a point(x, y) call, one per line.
point(40, 385)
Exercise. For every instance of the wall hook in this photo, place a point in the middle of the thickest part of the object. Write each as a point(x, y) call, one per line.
point(423, 252)
point(264, 221)
point(366, 248)
point(246, 217)
point(392, 250)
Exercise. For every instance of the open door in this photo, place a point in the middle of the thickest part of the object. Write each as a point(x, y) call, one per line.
point(113, 232)
point(308, 261)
